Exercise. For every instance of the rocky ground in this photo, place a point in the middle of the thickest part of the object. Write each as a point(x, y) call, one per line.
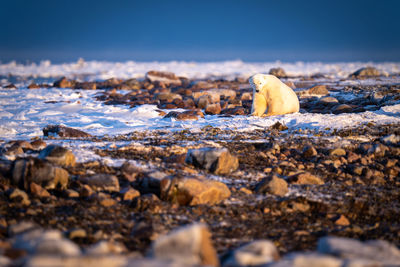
point(278, 197)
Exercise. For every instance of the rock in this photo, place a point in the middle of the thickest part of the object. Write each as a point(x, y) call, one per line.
point(347, 248)
point(150, 183)
point(186, 115)
point(33, 86)
point(188, 245)
point(86, 191)
point(43, 173)
point(193, 191)
point(305, 178)
point(316, 260)
point(203, 101)
point(337, 152)
point(107, 202)
point(50, 242)
point(272, 185)
point(38, 191)
point(10, 86)
point(213, 109)
point(309, 152)
point(77, 233)
point(71, 193)
point(58, 155)
point(366, 72)
point(328, 100)
point(63, 83)
point(378, 150)
point(278, 72)
point(246, 96)
point(167, 96)
point(63, 131)
point(38, 145)
point(13, 151)
point(102, 182)
point(216, 160)
point(129, 194)
point(21, 227)
point(342, 221)
point(255, 253)
point(20, 196)
point(392, 139)
point(233, 111)
point(214, 95)
point(343, 108)
point(318, 90)
point(130, 171)
point(25, 145)
point(165, 77)
point(106, 247)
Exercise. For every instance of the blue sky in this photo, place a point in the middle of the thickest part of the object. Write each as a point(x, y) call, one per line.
point(252, 30)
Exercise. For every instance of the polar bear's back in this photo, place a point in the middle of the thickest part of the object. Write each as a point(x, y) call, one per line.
point(281, 98)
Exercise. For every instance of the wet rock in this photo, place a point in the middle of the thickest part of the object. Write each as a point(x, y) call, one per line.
point(391, 139)
point(63, 83)
point(193, 191)
point(216, 160)
point(255, 253)
point(278, 72)
point(106, 247)
point(102, 182)
point(63, 131)
point(309, 152)
point(213, 109)
point(164, 77)
point(19, 196)
point(188, 245)
point(58, 155)
point(318, 90)
point(379, 250)
point(50, 242)
point(272, 185)
point(366, 72)
point(43, 173)
point(337, 152)
point(38, 191)
point(305, 178)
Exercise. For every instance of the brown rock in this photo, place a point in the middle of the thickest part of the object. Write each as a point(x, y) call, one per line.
point(20, 196)
point(186, 115)
point(13, 151)
point(129, 194)
point(246, 96)
point(38, 144)
point(86, 86)
point(203, 101)
point(318, 90)
point(167, 78)
point(63, 83)
point(233, 111)
point(342, 221)
point(102, 181)
point(366, 72)
point(130, 171)
point(33, 86)
point(309, 152)
point(343, 108)
point(193, 191)
point(63, 131)
point(107, 202)
point(337, 152)
point(86, 191)
point(278, 72)
point(213, 109)
point(216, 160)
point(10, 86)
point(71, 193)
point(39, 191)
point(61, 178)
point(305, 178)
point(58, 155)
point(272, 185)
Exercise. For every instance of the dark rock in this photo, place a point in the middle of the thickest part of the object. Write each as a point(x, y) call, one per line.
point(343, 108)
point(64, 131)
point(233, 111)
point(216, 160)
point(33, 86)
point(10, 86)
point(38, 145)
point(309, 152)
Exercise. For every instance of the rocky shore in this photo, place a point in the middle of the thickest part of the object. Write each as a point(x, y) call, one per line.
point(277, 196)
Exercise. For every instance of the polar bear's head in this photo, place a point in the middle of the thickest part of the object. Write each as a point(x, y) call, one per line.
point(258, 81)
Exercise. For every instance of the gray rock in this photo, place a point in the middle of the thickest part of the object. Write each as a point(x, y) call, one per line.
point(216, 160)
point(58, 155)
point(102, 182)
point(188, 245)
point(379, 250)
point(253, 254)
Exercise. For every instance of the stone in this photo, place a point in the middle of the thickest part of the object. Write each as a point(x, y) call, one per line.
point(366, 72)
point(216, 160)
point(58, 155)
point(106, 247)
point(203, 101)
point(343, 108)
point(77, 233)
point(10, 86)
point(129, 194)
point(107, 202)
point(167, 96)
point(347, 248)
point(86, 191)
point(278, 72)
point(38, 145)
point(309, 152)
point(256, 253)
point(272, 185)
point(213, 109)
point(39, 191)
point(25, 145)
point(378, 150)
point(305, 178)
point(50, 242)
point(13, 151)
point(63, 83)
point(318, 90)
point(20, 196)
point(193, 191)
point(246, 96)
point(71, 193)
point(165, 77)
point(342, 221)
point(188, 245)
point(233, 111)
point(63, 131)
point(130, 171)
point(337, 152)
point(33, 86)
point(316, 260)
point(102, 182)
point(328, 100)
point(391, 139)
point(186, 115)
point(21, 227)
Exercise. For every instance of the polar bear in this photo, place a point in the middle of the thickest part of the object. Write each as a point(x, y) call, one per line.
point(273, 96)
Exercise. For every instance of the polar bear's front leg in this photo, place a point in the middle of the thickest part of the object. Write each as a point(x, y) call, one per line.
point(259, 105)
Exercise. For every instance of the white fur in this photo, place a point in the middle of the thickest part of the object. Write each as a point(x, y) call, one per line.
point(273, 96)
